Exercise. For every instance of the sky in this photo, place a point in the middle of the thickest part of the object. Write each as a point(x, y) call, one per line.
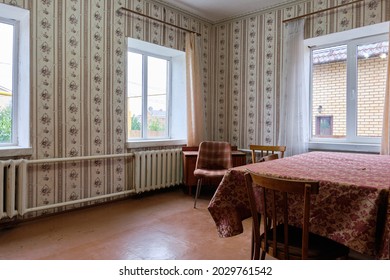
point(6, 32)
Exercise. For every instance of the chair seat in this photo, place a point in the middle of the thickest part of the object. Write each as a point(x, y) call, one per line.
point(214, 159)
point(210, 173)
point(319, 247)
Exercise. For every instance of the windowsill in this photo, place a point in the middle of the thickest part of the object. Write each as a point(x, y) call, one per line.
point(15, 151)
point(154, 143)
point(344, 147)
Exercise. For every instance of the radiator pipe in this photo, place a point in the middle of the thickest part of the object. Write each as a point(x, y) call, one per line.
point(67, 203)
point(22, 194)
point(36, 161)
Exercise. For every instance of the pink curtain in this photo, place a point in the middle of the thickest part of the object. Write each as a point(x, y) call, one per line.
point(385, 145)
point(195, 109)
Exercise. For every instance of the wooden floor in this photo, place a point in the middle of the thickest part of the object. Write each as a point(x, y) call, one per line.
point(162, 225)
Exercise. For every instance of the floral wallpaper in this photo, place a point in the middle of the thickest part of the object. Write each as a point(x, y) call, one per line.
point(78, 50)
point(78, 83)
point(248, 64)
point(154, 32)
point(78, 95)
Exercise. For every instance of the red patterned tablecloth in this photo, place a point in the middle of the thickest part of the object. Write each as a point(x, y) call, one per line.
point(352, 207)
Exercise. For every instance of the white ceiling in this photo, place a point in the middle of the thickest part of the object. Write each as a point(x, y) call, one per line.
point(217, 10)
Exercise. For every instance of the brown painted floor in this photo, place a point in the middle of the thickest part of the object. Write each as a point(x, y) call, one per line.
point(162, 225)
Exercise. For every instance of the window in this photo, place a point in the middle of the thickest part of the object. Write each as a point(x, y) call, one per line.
point(14, 77)
point(155, 93)
point(348, 82)
point(7, 30)
point(324, 126)
point(148, 95)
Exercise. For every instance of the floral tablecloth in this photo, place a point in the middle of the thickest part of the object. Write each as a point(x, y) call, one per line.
point(352, 206)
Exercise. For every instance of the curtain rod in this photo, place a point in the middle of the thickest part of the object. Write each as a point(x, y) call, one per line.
point(155, 19)
point(320, 11)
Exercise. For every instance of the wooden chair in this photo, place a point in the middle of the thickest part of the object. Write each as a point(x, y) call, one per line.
point(266, 151)
point(214, 159)
point(269, 157)
point(279, 239)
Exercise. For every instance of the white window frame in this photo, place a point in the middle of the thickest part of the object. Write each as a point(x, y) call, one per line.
point(145, 57)
point(176, 99)
point(15, 59)
point(351, 38)
point(20, 19)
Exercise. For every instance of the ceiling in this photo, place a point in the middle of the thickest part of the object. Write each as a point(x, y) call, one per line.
point(217, 10)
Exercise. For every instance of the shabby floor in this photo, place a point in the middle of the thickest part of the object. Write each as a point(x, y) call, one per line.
point(161, 225)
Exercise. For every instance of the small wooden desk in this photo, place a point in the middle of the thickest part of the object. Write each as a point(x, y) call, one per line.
point(190, 155)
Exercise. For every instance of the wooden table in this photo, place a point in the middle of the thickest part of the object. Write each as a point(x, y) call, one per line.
point(352, 206)
point(190, 154)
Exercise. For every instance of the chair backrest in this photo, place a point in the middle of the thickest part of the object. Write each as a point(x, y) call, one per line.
point(214, 155)
point(266, 151)
point(274, 209)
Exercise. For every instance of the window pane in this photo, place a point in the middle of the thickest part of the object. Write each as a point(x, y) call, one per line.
point(157, 97)
point(134, 95)
point(6, 56)
point(371, 75)
point(329, 92)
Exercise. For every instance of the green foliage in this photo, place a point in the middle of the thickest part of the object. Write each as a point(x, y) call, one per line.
point(155, 125)
point(135, 123)
point(5, 124)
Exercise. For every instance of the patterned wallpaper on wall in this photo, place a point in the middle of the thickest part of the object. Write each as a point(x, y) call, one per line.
point(248, 64)
point(246, 93)
point(151, 31)
point(77, 97)
point(78, 56)
point(78, 51)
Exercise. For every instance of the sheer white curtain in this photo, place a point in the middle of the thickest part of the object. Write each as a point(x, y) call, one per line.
point(195, 108)
point(294, 99)
point(385, 144)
